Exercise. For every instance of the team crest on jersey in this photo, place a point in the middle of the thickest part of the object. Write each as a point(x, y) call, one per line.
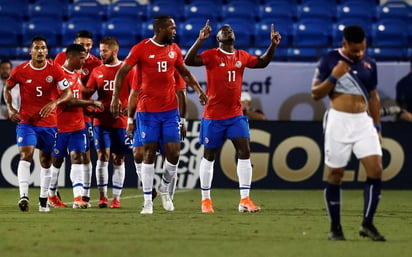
point(238, 64)
point(85, 71)
point(49, 79)
point(172, 54)
point(143, 135)
point(367, 65)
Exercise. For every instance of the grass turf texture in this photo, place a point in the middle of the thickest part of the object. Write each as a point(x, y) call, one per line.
point(291, 223)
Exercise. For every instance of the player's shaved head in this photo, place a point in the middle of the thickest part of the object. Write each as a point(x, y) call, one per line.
point(354, 34)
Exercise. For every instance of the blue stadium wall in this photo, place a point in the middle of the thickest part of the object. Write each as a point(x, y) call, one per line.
point(285, 155)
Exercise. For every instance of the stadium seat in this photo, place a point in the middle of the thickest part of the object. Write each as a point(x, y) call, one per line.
point(73, 25)
point(243, 29)
point(394, 9)
point(146, 29)
point(240, 9)
point(204, 10)
point(47, 9)
point(127, 9)
point(7, 53)
point(89, 9)
point(174, 9)
point(214, 2)
point(311, 32)
point(123, 52)
point(337, 30)
point(390, 32)
point(10, 33)
point(22, 53)
point(53, 51)
point(125, 30)
point(303, 54)
point(262, 31)
point(385, 53)
point(317, 9)
point(13, 9)
point(49, 28)
point(281, 9)
point(189, 32)
point(356, 9)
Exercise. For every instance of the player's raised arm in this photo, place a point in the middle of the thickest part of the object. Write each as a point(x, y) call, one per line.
point(265, 59)
point(192, 58)
point(115, 105)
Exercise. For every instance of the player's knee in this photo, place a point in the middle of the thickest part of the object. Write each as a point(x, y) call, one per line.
point(335, 175)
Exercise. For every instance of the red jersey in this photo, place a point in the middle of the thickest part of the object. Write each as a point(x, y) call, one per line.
point(156, 67)
point(102, 80)
point(224, 72)
point(87, 68)
point(179, 81)
point(38, 87)
point(71, 119)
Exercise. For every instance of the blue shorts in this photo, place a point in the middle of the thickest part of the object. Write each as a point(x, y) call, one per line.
point(156, 127)
point(213, 133)
point(40, 137)
point(75, 141)
point(137, 141)
point(113, 138)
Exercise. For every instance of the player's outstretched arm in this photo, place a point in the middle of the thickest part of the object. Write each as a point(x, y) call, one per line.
point(64, 97)
point(192, 58)
point(115, 105)
point(265, 58)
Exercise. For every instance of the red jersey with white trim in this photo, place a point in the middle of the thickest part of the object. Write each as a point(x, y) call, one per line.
point(38, 87)
point(224, 72)
point(71, 118)
point(102, 81)
point(87, 68)
point(156, 67)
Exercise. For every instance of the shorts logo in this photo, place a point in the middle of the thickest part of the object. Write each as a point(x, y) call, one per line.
point(96, 142)
point(172, 54)
point(238, 64)
point(20, 139)
point(206, 140)
point(49, 79)
point(56, 151)
point(143, 135)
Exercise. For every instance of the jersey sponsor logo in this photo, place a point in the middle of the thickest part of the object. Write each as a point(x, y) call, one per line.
point(367, 65)
point(172, 54)
point(238, 64)
point(49, 79)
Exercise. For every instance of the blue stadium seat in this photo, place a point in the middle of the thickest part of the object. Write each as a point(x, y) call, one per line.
point(240, 9)
point(53, 51)
point(23, 53)
point(49, 28)
point(13, 9)
point(243, 29)
point(147, 29)
point(89, 9)
point(214, 2)
point(317, 9)
point(262, 31)
point(311, 32)
point(10, 33)
point(372, 2)
point(7, 52)
point(394, 9)
point(125, 30)
point(47, 9)
point(303, 54)
point(337, 30)
point(127, 9)
point(73, 25)
point(279, 9)
point(174, 9)
point(189, 32)
point(385, 53)
point(390, 32)
point(123, 52)
point(204, 10)
point(356, 9)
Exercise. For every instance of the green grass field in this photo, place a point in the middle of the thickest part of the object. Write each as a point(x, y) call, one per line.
point(291, 223)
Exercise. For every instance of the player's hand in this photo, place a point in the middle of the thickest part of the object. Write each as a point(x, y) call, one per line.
point(205, 31)
point(340, 69)
point(98, 105)
point(203, 99)
point(14, 115)
point(47, 109)
point(115, 106)
point(275, 36)
point(129, 130)
point(183, 130)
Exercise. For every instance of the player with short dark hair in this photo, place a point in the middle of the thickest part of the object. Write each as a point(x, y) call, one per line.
point(352, 124)
point(223, 116)
point(40, 80)
point(157, 59)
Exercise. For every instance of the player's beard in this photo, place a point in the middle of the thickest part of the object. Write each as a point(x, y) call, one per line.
point(108, 60)
point(167, 41)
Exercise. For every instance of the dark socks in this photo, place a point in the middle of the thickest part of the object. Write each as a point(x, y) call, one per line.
point(372, 195)
point(333, 204)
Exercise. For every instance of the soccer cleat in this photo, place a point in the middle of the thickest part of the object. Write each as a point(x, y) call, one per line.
point(24, 204)
point(369, 230)
point(147, 208)
point(43, 204)
point(78, 203)
point(207, 206)
point(336, 234)
point(115, 203)
point(247, 205)
point(103, 202)
point(166, 200)
point(87, 199)
point(55, 202)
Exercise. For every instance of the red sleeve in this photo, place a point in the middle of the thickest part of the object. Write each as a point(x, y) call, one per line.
point(60, 58)
point(251, 59)
point(13, 80)
point(179, 59)
point(205, 55)
point(133, 56)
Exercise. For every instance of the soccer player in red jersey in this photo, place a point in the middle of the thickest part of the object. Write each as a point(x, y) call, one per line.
point(40, 80)
point(109, 132)
point(72, 133)
point(223, 116)
point(157, 59)
point(85, 38)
